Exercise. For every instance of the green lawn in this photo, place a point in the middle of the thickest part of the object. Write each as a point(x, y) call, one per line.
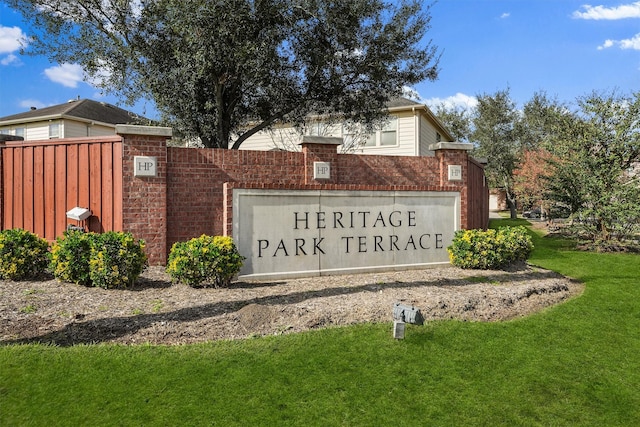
point(573, 364)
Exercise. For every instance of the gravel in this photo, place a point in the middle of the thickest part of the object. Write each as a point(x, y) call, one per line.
point(159, 312)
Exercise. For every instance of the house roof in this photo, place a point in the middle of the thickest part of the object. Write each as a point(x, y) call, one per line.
point(402, 102)
point(83, 109)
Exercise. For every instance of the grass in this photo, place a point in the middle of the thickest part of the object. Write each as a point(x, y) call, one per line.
point(574, 364)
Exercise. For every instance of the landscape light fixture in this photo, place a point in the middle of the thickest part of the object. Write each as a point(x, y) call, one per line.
point(405, 314)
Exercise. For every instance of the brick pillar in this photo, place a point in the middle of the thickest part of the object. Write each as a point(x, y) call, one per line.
point(144, 193)
point(456, 178)
point(320, 152)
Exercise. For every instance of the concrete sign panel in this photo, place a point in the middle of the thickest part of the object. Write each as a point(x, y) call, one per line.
point(316, 232)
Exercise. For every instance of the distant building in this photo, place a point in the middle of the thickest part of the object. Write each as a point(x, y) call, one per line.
point(411, 129)
point(76, 118)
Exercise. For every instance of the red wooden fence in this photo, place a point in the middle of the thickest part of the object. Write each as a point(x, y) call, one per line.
point(42, 181)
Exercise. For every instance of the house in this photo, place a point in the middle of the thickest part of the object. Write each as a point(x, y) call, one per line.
point(411, 128)
point(75, 118)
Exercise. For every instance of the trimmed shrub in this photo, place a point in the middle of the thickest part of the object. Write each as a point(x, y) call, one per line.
point(70, 257)
point(116, 260)
point(23, 255)
point(204, 261)
point(490, 249)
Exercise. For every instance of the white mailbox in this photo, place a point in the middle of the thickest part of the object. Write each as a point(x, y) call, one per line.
point(78, 213)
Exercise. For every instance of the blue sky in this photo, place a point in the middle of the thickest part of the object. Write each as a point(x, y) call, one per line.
point(564, 47)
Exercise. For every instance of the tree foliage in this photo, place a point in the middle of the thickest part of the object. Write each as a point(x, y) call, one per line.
point(495, 133)
point(583, 159)
point(529, 178)
point(224, 70)
point(457, 120)
point(597, 150)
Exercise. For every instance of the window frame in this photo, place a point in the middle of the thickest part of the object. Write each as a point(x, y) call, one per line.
point(56, 126)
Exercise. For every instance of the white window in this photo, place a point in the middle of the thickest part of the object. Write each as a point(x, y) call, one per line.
point(313, 129)
point(370, 140)
point(386, 136)
point(54, 130)
point(389, 133)
point(19, 132)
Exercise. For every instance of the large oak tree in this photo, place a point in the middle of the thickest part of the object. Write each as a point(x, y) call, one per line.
point(222, 70)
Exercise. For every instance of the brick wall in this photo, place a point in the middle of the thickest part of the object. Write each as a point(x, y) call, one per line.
point(200, 182)
point(191, 193)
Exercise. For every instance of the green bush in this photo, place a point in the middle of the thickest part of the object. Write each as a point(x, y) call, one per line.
point(23, 255)
point(109, 260)
point(70, 257)
point(480, 249)
point(116, 260)
point(204, 261)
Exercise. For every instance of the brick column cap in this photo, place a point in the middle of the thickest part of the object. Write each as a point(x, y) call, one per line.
point(321, 140)
point(143, 130)
point(451, 146)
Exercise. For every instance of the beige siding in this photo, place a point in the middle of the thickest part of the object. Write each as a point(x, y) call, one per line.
point(415, 132)
point(100, 130)
point(36, 131)
point(280, 138)
point(428, 136)
point(73, 129)
point(285, 138)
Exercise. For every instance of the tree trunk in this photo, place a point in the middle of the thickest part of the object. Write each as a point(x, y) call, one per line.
point(513, 208)
point(512, 204)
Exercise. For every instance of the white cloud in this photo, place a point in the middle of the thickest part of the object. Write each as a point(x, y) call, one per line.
point(632, 43)
point(505, 15)
point(411, 93)
point(606, 44)
point(609, 13)
point(459, 100)
point(10, 59)
point(66, 74)
point(11, 39)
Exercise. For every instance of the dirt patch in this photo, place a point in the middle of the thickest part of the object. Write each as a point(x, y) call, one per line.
point(155, 311)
